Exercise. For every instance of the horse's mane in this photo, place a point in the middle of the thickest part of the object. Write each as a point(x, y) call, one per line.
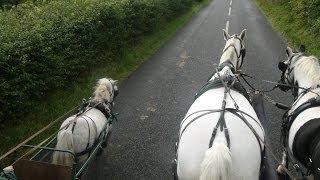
point(309, 65)
point(102, 92)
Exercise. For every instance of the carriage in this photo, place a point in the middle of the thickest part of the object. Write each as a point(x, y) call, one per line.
point(41, 161)
point(36, 162)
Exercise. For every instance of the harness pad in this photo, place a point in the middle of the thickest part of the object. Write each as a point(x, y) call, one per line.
point(214, 84)
point(302, 142)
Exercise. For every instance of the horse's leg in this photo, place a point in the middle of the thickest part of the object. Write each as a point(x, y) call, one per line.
point(281, 168)
point(108, 135)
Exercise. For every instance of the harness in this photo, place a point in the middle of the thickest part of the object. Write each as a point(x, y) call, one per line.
point(104, 108)
point(217, 83)
point(288, 119)
point(307, 131)
point(286, 74)
point(228, 83)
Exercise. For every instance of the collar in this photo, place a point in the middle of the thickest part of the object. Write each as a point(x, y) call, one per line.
point(229, 64)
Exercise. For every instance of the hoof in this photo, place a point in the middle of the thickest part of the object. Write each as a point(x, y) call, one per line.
point(281, 170)
point(174, 169)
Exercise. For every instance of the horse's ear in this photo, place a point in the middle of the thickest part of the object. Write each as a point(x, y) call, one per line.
point(302, 48)
point(243, 34)
point(289, 51)
point(226, 35)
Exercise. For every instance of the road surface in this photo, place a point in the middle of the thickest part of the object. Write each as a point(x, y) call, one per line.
point(154, 99)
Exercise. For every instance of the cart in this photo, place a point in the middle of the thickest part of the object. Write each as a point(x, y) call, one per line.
point(38, 166)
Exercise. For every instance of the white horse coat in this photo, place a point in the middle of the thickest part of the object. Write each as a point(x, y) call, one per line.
point(306, 73)
point(243, 160)
point(82, 135)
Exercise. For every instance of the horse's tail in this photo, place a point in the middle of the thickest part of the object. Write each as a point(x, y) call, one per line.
point(216, 164)
point(64, 142)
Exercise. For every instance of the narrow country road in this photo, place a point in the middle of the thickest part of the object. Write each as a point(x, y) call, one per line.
point(154, 99)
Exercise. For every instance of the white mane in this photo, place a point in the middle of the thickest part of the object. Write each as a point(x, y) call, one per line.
point(310, 68)
point(104, 90)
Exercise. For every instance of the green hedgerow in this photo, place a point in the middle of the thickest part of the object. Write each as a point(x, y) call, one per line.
point(46, 46)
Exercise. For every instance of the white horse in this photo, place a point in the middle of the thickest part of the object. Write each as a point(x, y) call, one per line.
point(242, 159)
point(79, 132)
point(302, 126)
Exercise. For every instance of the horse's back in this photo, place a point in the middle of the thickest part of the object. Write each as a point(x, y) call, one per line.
point(87, 128)
point(194, 142)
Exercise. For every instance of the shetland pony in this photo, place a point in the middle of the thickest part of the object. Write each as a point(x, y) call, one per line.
point(78, 133)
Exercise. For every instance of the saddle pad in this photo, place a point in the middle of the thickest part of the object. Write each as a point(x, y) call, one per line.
point(217, 84)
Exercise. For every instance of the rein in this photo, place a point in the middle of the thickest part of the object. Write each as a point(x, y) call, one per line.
point(288, 119)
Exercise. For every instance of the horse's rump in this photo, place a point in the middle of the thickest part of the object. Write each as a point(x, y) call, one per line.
point(244, 145)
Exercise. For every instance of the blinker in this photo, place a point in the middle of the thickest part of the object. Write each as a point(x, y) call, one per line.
point(243, 52)
point(282, 66)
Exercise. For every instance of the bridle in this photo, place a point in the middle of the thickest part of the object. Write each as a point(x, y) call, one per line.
point(241, 55)
point(115, 92)
point(286, 76)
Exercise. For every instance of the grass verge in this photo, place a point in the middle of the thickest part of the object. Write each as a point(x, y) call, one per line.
point(290, 27)
point(59, 102)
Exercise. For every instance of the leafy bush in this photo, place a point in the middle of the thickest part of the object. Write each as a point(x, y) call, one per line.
point(45, 47)
point(308, 12)
point(9, 2)
point(304, 12)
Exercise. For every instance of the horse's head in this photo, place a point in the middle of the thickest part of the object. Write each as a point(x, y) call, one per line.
point(105, 90)
point(287, 66)
point(236, 43)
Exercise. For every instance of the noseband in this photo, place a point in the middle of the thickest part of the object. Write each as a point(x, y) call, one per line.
point(241, 55)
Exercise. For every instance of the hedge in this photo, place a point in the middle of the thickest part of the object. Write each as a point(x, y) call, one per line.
point(46, 47)
point(8, 3)
point(305, 12)
point(297, 20)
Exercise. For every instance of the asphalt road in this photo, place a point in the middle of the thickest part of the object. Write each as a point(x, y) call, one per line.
point(154, 99)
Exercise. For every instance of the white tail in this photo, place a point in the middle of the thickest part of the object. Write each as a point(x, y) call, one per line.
point(216, 164)
point(64, 142)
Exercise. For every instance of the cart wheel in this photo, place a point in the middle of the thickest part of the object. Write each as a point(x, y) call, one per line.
point(100, 151)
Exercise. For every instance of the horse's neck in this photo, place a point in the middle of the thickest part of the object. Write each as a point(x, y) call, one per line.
point(229, 55)
point(307, 73)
